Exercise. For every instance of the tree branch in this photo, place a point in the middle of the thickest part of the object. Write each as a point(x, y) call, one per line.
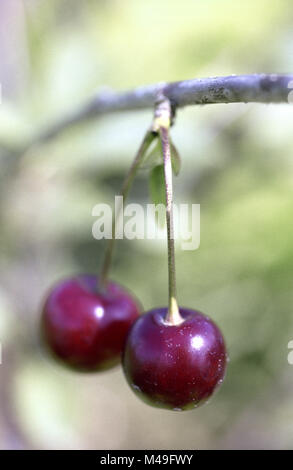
point(258, 88)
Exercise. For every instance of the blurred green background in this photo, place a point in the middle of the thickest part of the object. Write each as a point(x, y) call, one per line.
point(237, 163)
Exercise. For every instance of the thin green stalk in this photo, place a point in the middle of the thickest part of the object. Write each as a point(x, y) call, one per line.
point(146, 142)
point(163, 122)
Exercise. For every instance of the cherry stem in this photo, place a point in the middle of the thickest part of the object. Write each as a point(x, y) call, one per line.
point(146, 142)
point(162, 122)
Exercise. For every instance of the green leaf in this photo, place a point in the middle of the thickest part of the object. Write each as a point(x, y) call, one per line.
point(175, 158)
point(157, 185)
point(157, 190)
point(153, 156)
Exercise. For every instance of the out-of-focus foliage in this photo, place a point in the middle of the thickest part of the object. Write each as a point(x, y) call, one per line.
point(237, 162)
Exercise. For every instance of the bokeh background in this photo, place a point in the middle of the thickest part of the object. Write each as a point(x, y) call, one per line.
point(237, 163)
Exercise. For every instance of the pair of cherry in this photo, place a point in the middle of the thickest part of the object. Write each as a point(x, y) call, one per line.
point(90, 326)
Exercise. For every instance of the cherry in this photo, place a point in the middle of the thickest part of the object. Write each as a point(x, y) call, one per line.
point(174, 366)
point(84, 325)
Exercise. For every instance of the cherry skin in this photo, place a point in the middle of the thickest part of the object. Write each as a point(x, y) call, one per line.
point(85, 326)
point(177, 367)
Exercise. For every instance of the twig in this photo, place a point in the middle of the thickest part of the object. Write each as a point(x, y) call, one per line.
point(258, 88)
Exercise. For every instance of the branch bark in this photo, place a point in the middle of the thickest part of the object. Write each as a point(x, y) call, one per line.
point(258, 88)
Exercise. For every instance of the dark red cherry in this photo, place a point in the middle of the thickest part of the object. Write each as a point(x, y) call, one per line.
point(85, 326)
point(176, 367)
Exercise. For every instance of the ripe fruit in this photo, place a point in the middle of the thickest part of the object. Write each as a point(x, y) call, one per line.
point(174, 366)
point(85, 326)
